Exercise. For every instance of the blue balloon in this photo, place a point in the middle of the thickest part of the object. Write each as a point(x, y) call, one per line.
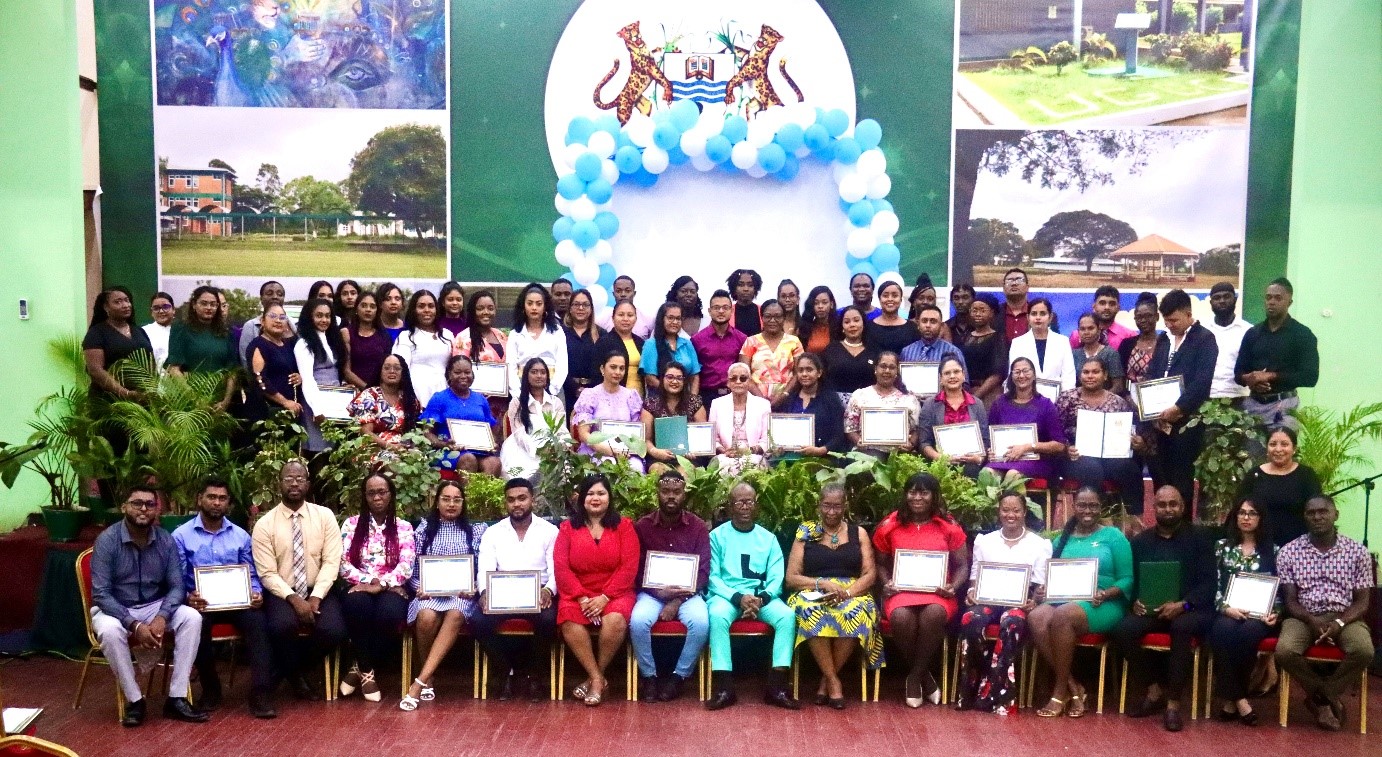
point(607, 277)
point(881, 205)
point(771, 157)
point(571, 277)
point(847, 151)
point(588, 166)
point(836, 121)
point(610, 123)
point(676, 157)
point(621, 140)
point(685, 114)
point(860, 213)
point(735, 129)
point(790, 136)
point(886, 257)
point(817, 137)
point(666, 136)
point(585, 234)
point(570, 186)
point(662, 117)
point(845, 206)
point(608, 223)
point(579, 131)
point(789, 169)
point(561, 229)
point(864, 266)
point(628, 159)
point(868, 133)
point(642, 178)
point(718, 148)
point(599, 191)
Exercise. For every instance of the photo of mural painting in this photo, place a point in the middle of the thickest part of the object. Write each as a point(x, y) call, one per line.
point(1103, 63)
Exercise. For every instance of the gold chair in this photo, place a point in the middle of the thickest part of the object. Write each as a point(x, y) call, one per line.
point(1161, 642)
point(668, 628)
point(519, 627)
point(1087, 641)
point(1325, 654)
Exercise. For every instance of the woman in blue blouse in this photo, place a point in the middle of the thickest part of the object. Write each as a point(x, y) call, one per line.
point(667, 345)
point(458, 402)
point(1234, 637)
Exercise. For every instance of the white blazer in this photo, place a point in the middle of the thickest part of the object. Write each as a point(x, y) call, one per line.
point(1059, 364)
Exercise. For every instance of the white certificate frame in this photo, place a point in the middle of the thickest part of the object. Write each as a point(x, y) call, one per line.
point(1048, 388)
point(216, 578)
point(799, 428)
point(877, 423)
point(1028, 431)
point(624, 431)
point(965, 439)
point(335, 402)
point(1088, 422)
point(999, 590)
point(476, 436)
point(671, 562)
point(928, 559)
point(1249, 594)
point(1153, 397)
point(700, 439)
point(925, 374)
point(1071, 583)
point(435, 570)
point(490, 378)
point(513, 586)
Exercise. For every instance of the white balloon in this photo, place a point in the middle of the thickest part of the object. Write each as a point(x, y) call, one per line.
point(803, 151)
point(693, 143)
point(743, 155)
point(572, 152)
point(852, 188)
point(601, 253)
point(640, 130)
point(884, 224)
point(602, 144)
point(600, 299)
point(655, 160)
point(582, 209)
point(586, 271)
point(840, 171)
point(887, 240)
point(563, 205)
point(892, 276)
point(760, 132)
point(801, 114)
point(703, 162)
point(568, 252)
point(872, 163)
point(861, 242)
point(602, 207)
point(609, 172)
point(756, 171)
point(879, 187)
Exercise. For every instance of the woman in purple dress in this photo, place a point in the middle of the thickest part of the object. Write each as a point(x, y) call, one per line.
point(1021, 404)
point(610, 401)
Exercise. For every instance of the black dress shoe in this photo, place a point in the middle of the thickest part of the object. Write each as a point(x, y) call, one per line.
point(262, 706)
point(537, 692)
point(821, 699)
point(1147, 708)
point(211, 696)
point(836, 703)
point(1249, 719)
point(781, 698)
point(134, 714)
point(305, 690)
point(647, 688)
point(670, 689)
point(721, 699)
point(1226, 716)
point(506, 689)
point(178, 708)
point(1171, 721)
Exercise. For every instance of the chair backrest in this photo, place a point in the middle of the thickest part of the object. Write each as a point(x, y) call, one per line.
point(17, 745)
point(84, 585)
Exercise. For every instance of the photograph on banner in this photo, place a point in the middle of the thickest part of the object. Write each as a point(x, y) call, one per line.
point(301, 54)
point(1103, 63)
point(247, 194)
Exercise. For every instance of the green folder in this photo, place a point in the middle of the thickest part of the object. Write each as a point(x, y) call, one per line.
point(670, 434)
point(1158, 583)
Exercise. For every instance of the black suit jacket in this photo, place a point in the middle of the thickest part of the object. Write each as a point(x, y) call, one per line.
point(1194, 362)
point(609, 342)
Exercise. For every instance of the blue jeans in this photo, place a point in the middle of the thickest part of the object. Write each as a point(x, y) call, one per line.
point(692, 614)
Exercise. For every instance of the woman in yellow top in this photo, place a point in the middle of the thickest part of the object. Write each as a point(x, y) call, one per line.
point(771, 354)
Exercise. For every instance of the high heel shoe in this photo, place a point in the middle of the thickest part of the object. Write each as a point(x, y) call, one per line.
point(1047, 712)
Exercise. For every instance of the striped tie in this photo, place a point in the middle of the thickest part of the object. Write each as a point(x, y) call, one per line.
point(299, 558)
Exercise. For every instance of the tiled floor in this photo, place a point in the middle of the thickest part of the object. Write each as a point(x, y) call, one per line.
point(456, 725)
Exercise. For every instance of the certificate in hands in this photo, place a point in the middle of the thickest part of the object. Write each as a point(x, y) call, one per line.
point(1004, 437)
point(792, 431)
point(446, 575)
point(921, 379)
point(920, 569)
point(883, 427)
point(491, 379)
point(1252, 593)
point(671, 570)
point(1048, 388)
point(700, 440)
point(1103, 434)
point(334, 402)
point(224, 587)
point(471, 435)
point(1073, 580)
point(1154, 397)
point(513, 591)
point(624, 431)
point(958, 439)
point(1002, 584)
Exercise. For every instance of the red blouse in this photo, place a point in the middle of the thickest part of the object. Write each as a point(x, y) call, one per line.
point(957, 414)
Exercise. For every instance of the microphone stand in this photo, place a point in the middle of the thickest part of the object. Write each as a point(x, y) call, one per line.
point(1368, 485)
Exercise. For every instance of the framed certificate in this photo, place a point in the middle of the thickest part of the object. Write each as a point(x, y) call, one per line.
point(1002, 584)
point(625, 431)
point(224, 587)
point(920, 569)
point(792, 431)
point(446, 575)
point(958, 439)
point(334, 402)
point(1253, 593)
point(921, 379)
point(700, 440)
point(671, 570)
point(1004, 437)
point(471, 435)
point(491, 379)
point(1073, 580)
point(883, 427)
point(1048, 388)
point(1103, 434)
point(1153, 397)
point(512, 592)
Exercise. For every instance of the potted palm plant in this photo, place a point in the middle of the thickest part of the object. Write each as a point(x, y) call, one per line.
point(1330, 443)
point(57, 424)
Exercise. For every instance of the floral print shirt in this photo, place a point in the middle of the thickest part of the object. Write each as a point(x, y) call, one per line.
point(371, 409)
point(374, 557)
point(1230, 560)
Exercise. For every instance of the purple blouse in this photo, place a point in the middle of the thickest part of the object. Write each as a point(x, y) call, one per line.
point(595, 404)
point(367, 353)
point(1043, 413)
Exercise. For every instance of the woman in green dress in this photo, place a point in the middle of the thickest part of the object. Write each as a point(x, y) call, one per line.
point(1056, 627)
point(200, 342)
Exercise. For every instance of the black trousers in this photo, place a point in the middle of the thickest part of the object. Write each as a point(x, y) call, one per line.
point(1234, 643)
point(1175, 463)
point(512, 652)
point(1170, 671)
point(374, 622)
point(293, 653)
point(253, 630)
point(1125, 473)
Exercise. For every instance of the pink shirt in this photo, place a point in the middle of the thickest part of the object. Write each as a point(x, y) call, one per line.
point(1113, 336)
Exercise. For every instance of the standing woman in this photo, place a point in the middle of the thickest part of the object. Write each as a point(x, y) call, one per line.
point(1126, 472)
point(1281, 486)
point(745, 284)
point(919, 618)
point(527, 415)
point(595, 559)
point(200, 342)
point(820, 323)
point(423, 346)
point(1090, 347)
point(886, 392)
point(438, 621)
point(377, 562)
point(347, 295)
point(1021, 404)
point(1136, 354)
point(111, 338)
point(771, 354)
point(669, 346)
point(367, 343)
point(536, 334)
point(849, 361)
point(582, 335)
point(789, 297)
point(1234, 637)
point(390, 409)
point(319, 352)
point(687, 293)
point(390, 309)
point(739, 421)
point(321, 290)
point(162, 311)
point(622, 339)
point(952, 405)
point(672, 399)
point(985, 350)
point(274, 378)
point(1045, 348)
point(890, 332)
point(1056, 627)
point(610, 401)
point(458, 402)
point(987, 683)
point(270, 293)
point(809, 396)
point(452, 303)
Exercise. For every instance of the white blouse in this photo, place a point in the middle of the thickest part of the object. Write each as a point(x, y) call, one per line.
point(519, 451)
point(1033, 549)
point(158, 337)
point(1059, 363)
point(426, 354)
point(548, 345)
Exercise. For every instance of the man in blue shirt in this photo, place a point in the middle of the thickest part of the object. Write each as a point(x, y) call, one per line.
point(210, 540)
point(930, 348)
point(136, 585)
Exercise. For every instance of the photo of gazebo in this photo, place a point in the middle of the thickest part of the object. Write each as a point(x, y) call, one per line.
point(1155, 258)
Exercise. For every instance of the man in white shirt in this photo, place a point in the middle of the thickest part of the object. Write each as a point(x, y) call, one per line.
point(519, 542)
point(624, 292)
point(1228, 330)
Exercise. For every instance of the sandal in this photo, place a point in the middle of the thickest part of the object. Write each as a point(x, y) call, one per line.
point(369, 688)
point(581, 691)
point(1047, 712)
point(1076, 707)
point(408, 703)
point(428, 693)
point(351, 681)
point(593, 698)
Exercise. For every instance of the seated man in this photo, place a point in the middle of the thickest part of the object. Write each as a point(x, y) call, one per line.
point(746, 572)
point(208, 540)
point(297, 552)
point(518, 542)
point(1186, 618)
point(1326, 578)
point(670, 529)
point(136, 587)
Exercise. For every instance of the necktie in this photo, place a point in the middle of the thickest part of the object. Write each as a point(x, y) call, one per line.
point(299, 557)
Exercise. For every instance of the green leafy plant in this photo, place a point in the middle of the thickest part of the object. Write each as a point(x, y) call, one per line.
point(1097, 46)
point(57, 425)
point(1331, 443)
point(484, 497)
point(876, 487)
point(1027, 60)
point(1225, 461)
point(1061, 55)
point(278, 439)
point(354, 456)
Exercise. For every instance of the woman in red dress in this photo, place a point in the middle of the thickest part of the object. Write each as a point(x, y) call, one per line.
point(919, 618)
point(596, 560)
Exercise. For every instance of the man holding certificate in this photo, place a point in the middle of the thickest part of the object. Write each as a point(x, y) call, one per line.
point(670, 530)
point(210, 540)
point(1187, 350)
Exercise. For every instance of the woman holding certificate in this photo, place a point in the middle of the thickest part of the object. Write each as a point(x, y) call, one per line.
point(809, 397)
point(536, 334)
point(923, 559)
point(1063, 619)
point(1237, 631)
point(438, 619)
point(482, 341)
point(424, 345)
point(883, 417)
point(1099, 425)
point(528, 414)
point(596, 559)
point(670, 401)
point(740, 423)
point(389, 410)
point(610, 401)
point(1045, 348)
point(376, 561)
point(770, 354)
point(954, 423)
point(458, 403)
point(1034, 438)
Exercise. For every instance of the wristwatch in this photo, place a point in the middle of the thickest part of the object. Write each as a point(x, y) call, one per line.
point(1341, 622)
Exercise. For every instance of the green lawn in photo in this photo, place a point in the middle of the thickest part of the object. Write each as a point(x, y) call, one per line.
point(1069, 96)
point(262, 255)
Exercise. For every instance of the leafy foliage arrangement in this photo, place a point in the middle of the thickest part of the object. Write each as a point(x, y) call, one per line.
point(1225, 460)
point(1331, 442)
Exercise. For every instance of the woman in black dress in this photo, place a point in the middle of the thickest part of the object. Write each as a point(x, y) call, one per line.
point(1281, 486)
point(112, 337)
point(890, 332)
point(848, 360)
point(581, 337)
point(985, 350)
point(274, 379)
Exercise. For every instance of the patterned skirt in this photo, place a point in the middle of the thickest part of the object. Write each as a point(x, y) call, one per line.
point(855, 618)
point(441, 605)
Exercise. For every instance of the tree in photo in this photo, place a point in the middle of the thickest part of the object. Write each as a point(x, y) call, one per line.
point(1083, 234)
point(401, 173)
point(311, 196)
point(218, 163)
point(1221, 261)
point(997, 242)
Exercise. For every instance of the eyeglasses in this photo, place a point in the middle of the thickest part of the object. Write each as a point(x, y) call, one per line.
point(737, 379)
point(1246, 514)
point(451, 500)
point(162, 308)
point(1014, 279)
point(719, 308)
point(295, 479)
point(580, 304)
point(749, 501)
point(142, 504)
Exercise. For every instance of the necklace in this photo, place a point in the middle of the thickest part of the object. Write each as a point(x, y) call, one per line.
point(848, 343)
point(1016, 539)
point(835, 536)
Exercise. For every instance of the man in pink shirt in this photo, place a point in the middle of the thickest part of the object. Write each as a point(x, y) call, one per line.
point(717, 347)
point(1105, 309)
